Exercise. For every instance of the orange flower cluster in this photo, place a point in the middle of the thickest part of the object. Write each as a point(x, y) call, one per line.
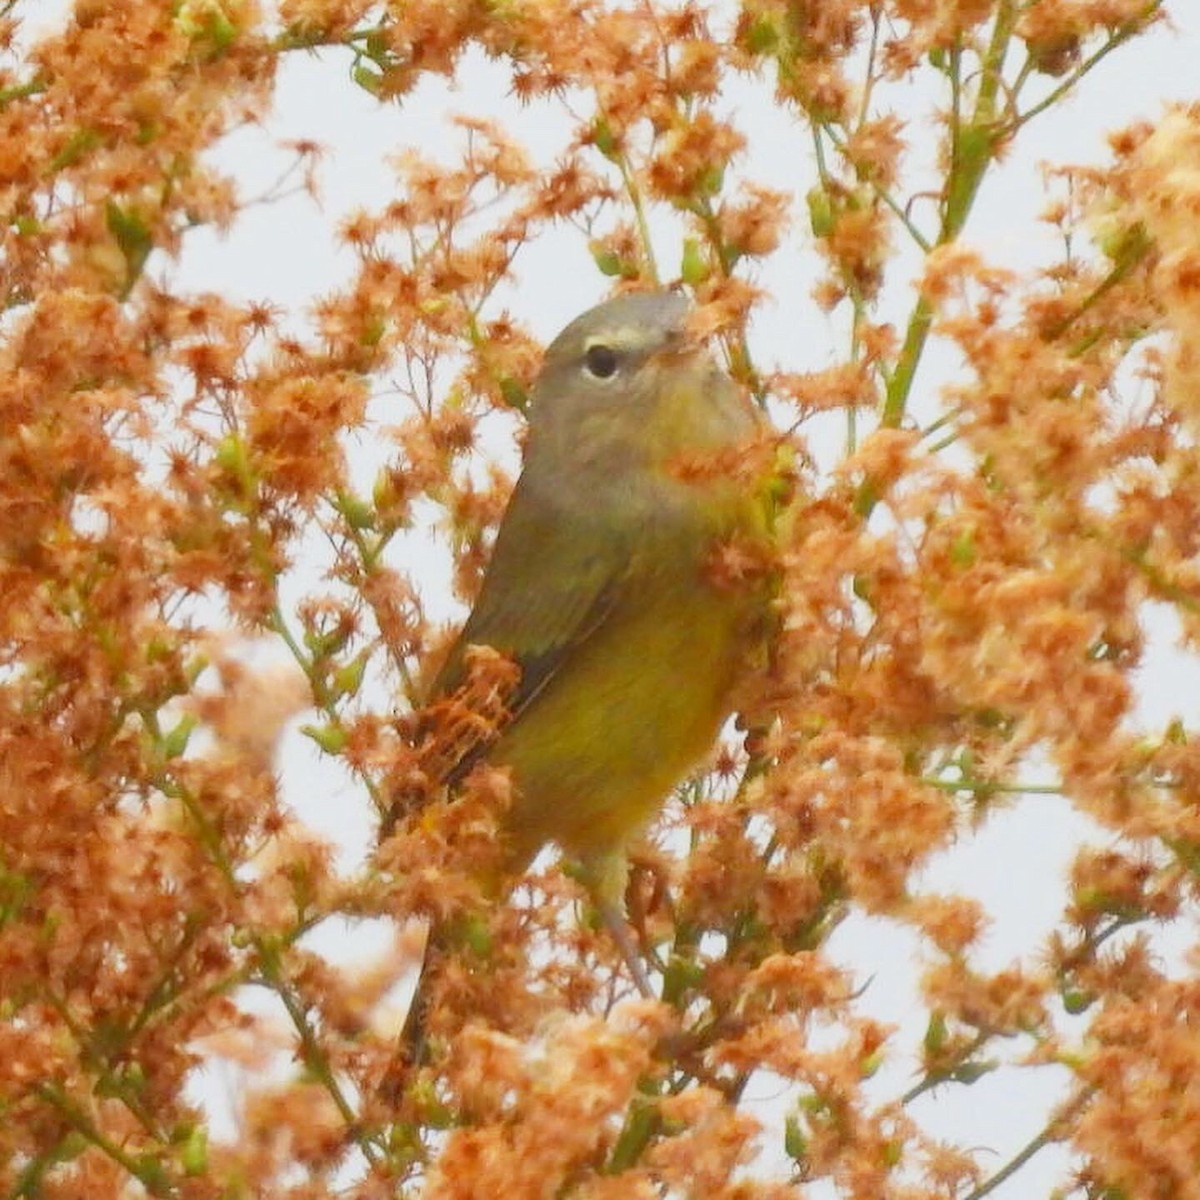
point(963, 605)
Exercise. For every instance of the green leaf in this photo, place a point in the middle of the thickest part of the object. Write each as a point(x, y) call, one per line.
point(322, 643)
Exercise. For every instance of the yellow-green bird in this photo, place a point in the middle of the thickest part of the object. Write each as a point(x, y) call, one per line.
point(605, 589)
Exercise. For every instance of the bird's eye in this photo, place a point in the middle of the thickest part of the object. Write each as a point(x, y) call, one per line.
point(600, 361)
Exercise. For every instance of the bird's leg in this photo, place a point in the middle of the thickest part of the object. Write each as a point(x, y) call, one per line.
point(614, 919)
point(606, 875)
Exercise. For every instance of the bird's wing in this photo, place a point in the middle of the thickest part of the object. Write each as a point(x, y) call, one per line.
point(551, 584)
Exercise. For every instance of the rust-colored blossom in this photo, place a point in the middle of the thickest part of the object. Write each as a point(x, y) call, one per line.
point(970, 572)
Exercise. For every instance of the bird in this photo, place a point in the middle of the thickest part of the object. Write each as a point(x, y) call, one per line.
point(605, 591)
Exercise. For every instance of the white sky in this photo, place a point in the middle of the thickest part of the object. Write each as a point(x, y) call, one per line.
point(285, 253)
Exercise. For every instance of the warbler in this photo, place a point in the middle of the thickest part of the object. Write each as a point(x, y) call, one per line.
point(606, 589)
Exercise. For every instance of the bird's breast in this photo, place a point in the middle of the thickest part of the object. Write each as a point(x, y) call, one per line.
point(641, 702)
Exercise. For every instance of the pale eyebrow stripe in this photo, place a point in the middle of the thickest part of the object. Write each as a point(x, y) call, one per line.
point(625, 337)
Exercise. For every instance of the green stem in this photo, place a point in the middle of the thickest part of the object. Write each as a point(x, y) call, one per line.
point(1130, 30)
point(22, 91)
point(936, 1078)
point(314, 1057)
point(899, 211)
point(271, 972)
point(149, 1172)
point(915, 336)
point(1048, 1135)
point(741, 364)
point(325, 701)
point(642, 1124)
point(639, 212)
point(1131, 255)
point(973, 149)
point(28, 1184)
point(980, 785)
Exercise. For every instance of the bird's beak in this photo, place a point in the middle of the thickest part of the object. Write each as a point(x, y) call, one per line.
point(681, 350)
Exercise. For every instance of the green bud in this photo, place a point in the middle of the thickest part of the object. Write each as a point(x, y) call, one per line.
point(193, 1153)
point(348, 679)
point(232, 456)
point(711, 181)
point(176, 741)
point(152, 1175)
point(368, 79)
point(821, 217)
point(936, 1033)
point(694, 268)
point(609, 261)
point(78, 144)
point(972, 1072)
point(761, 36)
point(330, 738)
point(604, 139)
point(795, 1143)
point(476, 935)
point(132, 236)
point(514, 393)
point(681, 975)
point(358, 513)
point(1077, 1000)
point(962, 550)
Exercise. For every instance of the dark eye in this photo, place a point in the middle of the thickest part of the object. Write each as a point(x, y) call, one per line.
point(600, 361)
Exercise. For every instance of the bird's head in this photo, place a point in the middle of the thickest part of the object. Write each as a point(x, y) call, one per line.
point(627, 383)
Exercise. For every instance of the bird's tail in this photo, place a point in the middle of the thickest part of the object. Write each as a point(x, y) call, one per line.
point(412, 1049)
point(414, 1046)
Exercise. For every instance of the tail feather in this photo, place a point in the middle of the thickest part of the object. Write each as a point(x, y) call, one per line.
point(412, 1047)
point(413, 1044)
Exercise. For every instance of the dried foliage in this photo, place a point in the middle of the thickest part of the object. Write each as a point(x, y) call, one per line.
point(964, 599)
